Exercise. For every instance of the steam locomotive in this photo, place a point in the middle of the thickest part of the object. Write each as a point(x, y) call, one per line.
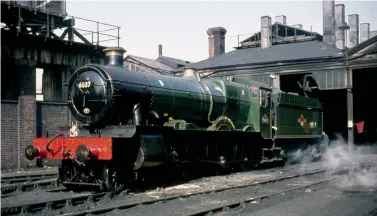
point(132, 122)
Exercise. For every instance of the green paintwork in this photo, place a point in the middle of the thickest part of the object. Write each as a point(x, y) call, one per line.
point(265, 112)
point(287, 109)
point(288, 112)
point(253, 117)
point(174, 96)
point(201, 102)
point(237, 102)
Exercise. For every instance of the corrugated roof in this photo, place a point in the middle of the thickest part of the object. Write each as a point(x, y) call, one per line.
point(151, 63)
point(276, 53)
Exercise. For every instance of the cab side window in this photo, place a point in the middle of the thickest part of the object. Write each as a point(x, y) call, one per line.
point(254, 92)
point(263, 98)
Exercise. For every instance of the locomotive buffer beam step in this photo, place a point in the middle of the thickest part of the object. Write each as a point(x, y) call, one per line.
point(270, 155)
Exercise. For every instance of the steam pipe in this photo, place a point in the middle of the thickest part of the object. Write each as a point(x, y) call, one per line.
point(137, 116)
point(50, 141)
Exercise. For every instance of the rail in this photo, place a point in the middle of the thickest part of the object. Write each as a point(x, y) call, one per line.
point(17, 189)
point(119, 203)
point(40, 22)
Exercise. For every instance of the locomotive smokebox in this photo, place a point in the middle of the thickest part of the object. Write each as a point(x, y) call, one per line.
point(114, 56)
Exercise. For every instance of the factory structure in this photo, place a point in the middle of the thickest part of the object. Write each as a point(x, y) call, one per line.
point(338, 69)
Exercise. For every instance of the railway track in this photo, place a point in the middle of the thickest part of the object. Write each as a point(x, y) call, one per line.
point(242, 202)
point(15, 189)
point(27, 178)
point(51, 188)
point(69, 204)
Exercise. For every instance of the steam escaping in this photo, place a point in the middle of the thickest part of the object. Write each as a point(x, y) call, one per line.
point(361, 163)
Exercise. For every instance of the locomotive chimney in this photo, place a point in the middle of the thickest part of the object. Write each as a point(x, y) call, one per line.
point(114, 56)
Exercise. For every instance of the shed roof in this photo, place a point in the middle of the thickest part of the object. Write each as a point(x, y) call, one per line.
point(150, 63)
point(276, 53)
point(175, 60)
point(363, 45)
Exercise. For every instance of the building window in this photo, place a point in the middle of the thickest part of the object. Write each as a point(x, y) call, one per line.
point(39, 84)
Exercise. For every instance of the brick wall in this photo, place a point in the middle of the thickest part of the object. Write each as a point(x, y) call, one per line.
point(53, 116)
point(22, 121)
point(27, 127)
point(18, 129)
point(9, 131)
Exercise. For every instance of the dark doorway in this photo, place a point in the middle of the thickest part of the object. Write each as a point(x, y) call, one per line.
point(334, 102)
point(364, 100)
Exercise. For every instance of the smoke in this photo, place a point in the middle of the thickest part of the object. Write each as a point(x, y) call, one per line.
point(359, 164)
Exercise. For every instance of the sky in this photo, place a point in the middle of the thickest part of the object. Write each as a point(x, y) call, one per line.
point(180, 26)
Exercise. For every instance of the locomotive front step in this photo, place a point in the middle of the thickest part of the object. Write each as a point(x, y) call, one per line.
point(272, 154)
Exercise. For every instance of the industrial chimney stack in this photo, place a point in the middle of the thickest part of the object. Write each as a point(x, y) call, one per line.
point(159, 50)
point(339, 21)
point(329, 22)
point(266, 32)
point(353, 33)
point(281, 19)
point(364, 32)
point(216, 41)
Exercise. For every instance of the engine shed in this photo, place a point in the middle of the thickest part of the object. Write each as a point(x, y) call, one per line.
point(39, 39)
point(305, 62)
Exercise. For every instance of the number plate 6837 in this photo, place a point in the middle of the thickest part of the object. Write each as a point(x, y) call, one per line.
point(84, 84)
